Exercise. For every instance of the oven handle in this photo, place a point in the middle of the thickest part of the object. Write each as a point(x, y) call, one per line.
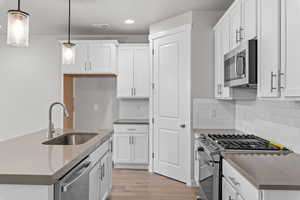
point(85, 166)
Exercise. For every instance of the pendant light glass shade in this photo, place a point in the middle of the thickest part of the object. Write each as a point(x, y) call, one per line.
point(18, 27)
point(68, 48)
point(68, 53)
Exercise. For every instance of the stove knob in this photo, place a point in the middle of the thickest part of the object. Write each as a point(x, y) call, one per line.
point(200, 149)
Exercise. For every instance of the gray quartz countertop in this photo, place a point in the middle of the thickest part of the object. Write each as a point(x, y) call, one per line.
point(268, 172)
point(132, 121)
point(25, 160)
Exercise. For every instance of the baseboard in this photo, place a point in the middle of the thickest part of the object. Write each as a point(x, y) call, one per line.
point(130, 166)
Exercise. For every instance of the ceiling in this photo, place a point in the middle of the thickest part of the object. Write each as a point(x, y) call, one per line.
point(50, 16)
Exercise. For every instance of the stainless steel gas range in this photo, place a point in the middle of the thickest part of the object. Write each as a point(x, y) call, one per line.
point(210, 150)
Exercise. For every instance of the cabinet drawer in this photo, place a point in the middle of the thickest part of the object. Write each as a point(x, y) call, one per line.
point(130, 128)
point(240, 183)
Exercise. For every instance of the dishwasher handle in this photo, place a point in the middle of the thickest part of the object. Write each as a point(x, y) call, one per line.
point(85, 167)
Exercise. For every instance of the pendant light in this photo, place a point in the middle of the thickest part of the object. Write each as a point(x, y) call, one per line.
point(18, 27)
point(68, 48)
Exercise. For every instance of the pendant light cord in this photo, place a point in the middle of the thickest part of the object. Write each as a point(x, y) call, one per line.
point(69, 29)
point(19, 5)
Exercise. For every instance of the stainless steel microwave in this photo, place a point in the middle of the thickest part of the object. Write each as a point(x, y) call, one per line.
point(240, 65)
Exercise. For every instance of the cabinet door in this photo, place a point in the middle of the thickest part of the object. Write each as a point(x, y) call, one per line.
point(94, 193)
point(141, 72)
point(235, 24)
point(125, 76)
point(81, 61)
point(228, 193)
point(249, 30)
point(225, 48)
point(122, 148)
point(140, 148)
point(218, 65)
point(269, 48)
point(105, 177)
point(292, 42)
point(100, 58)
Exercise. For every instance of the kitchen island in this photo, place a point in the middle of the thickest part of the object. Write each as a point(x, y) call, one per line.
point(30, 169)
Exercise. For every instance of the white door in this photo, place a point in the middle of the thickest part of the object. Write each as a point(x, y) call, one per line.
point(80, 65)
point(171, 102)
point(125, 76)
point(140, 148)
point(100, 57)
point(292, 43)
point(249, 30)
point(122, 148)
point(228, 193)
point(235, 24)
point(269, 48)
point(141, 72)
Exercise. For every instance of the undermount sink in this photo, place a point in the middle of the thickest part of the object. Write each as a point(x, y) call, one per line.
point(71, 139)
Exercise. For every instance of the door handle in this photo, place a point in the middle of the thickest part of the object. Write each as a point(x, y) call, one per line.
point(90, 66)
point(273, 75)
point(182, 126)
point(241, 34)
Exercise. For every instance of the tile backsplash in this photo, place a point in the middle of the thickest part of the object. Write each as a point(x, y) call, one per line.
point(274, 120)
point(213, 114)
point(133, 109)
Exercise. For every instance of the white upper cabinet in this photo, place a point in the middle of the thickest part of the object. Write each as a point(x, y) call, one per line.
point(93, 57)
point(290, 48)
point(222, 46)
point(235, 14)
point(249, 20)
point(134, 71)
point(125, 69)
point(269, 48)
point(102, 58)
point(142, 72)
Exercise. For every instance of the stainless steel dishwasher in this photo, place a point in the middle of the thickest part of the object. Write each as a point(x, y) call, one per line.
point(75, 185)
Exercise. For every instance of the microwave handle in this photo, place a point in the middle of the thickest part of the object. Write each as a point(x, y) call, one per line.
point(85, 166)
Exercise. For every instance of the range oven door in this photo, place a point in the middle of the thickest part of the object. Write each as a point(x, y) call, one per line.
point(75, 185)
point(209, 173)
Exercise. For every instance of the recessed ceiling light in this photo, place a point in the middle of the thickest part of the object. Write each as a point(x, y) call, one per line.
point(129, 21)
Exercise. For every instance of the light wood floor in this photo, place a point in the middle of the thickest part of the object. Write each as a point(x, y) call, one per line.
point(140, 185)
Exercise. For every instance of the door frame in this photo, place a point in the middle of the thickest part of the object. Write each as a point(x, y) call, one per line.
point(187, 28)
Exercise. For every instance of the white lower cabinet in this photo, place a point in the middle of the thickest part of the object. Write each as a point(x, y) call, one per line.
point(130, 149)
point(101, 174)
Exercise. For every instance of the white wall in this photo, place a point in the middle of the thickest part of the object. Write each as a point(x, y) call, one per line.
point(95, 103)
point(274, 120)
point(29, 82)
point(203, 53)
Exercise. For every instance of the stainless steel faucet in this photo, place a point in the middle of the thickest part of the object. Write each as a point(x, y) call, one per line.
point(51, 129)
